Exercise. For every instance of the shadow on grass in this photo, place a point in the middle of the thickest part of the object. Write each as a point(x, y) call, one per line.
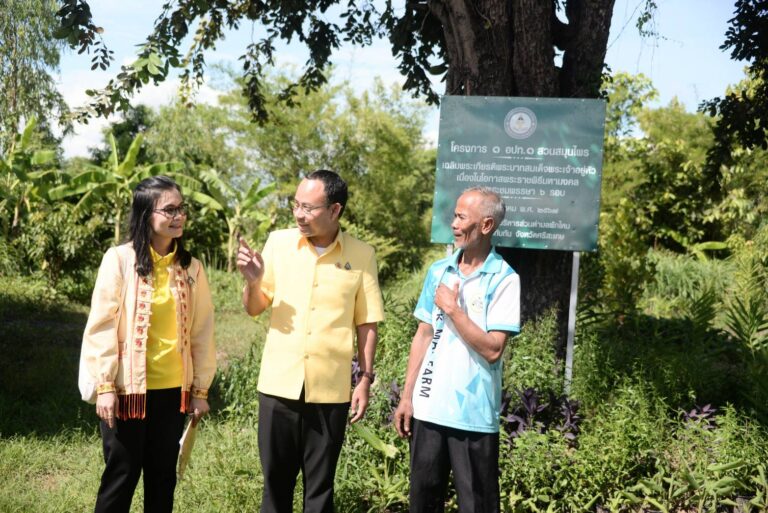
point(40, 338)
point(681, 362)
point(40, 347)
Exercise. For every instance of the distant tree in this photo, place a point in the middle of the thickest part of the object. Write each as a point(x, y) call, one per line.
point(678, 188)
point(627, 97)
point(135, 120)
point(199, 136)
point(29, 54)
point(373, 140)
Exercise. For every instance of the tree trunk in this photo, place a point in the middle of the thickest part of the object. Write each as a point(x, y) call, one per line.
point(507, 48)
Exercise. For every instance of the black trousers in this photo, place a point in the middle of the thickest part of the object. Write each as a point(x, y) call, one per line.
point(150, 444)
point(474, 459)
point(298, 436)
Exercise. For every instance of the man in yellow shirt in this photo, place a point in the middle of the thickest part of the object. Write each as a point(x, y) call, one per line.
point(323, 288)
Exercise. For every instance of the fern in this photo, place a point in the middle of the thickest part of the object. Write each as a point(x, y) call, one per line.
point(701, 311)
point(746, 312)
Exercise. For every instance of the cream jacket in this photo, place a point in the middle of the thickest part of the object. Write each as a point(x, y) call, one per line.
point(114, 342)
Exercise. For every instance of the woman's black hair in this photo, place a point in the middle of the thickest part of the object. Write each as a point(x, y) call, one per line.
point(145, 196)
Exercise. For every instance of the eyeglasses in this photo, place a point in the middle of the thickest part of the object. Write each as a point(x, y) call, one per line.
point(171, 212)
point(307, 209)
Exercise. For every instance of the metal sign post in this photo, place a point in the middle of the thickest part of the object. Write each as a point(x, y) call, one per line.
point(571, 323)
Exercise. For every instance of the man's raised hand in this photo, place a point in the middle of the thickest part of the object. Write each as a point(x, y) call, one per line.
point(250, 263)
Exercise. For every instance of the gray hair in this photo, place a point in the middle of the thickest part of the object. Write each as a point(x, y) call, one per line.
point(492, 204)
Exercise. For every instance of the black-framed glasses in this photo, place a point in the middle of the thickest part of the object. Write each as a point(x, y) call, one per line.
point(307, 209)
point(171, 212)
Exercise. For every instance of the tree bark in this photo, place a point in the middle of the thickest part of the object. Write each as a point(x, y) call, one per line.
point(507, 48)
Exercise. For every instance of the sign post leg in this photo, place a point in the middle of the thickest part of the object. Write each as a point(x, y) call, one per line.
point(571, 323)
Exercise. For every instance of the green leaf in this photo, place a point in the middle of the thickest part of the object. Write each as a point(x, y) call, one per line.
point(43, 157)
point(659, 506)
point(26, 136)
point(155, 59)
point(726, 466)
point(205, 200)
point(113, 152)
point(255, 195)
point(169, 169)
point(126, 167)
point(388, 450)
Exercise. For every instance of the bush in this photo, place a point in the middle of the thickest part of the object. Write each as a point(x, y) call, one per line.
point(531, 360)
point(683, 362)
point(60, 239)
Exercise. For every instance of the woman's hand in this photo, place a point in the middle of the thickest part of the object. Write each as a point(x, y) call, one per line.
point(198, 408)
point(106, 408)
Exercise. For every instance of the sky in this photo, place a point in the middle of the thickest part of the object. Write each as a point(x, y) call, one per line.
point(683, 61)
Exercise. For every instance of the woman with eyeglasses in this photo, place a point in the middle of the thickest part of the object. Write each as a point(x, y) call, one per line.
point(148, 348)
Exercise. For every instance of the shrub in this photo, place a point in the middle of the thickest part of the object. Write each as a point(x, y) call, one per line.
point(530, 357)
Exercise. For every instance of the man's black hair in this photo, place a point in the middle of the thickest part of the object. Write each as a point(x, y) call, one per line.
point(335, 187)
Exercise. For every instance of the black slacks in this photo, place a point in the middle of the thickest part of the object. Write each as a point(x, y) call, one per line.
point(474, 459)
point(298, 436)
point(150, 444)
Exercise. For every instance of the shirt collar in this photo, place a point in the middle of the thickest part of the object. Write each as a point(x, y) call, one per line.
point(491, 265)
point(340, 235)
point(163, 260)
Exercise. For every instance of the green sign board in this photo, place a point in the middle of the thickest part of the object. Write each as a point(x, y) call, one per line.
point(543, 156)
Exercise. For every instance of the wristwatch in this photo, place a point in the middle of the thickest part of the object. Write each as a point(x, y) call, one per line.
point(366, 374)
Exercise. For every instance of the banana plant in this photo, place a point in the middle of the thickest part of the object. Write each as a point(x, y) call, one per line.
point(237, 207)
point(21, 179)
point(113, 182)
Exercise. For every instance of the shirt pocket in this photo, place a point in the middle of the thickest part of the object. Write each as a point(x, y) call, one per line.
point(338, 288)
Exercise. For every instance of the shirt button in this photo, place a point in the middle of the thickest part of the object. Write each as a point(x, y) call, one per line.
point(314, 284)
point(306, 357)
point(309, 332)
point(313, 308)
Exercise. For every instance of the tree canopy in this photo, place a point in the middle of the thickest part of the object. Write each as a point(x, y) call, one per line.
point(488, 47)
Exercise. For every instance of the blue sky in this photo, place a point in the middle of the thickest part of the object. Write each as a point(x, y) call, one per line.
point(684, 61)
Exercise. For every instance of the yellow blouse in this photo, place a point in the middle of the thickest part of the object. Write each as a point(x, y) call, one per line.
point(164, 365)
